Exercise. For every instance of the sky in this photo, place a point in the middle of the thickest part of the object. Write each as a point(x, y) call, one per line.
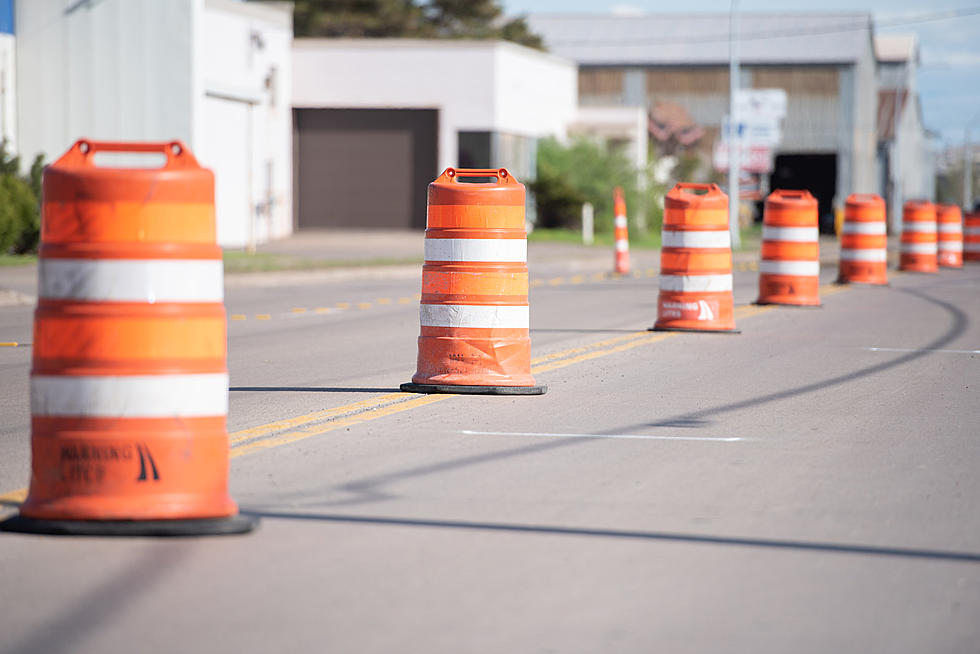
point(949, 77)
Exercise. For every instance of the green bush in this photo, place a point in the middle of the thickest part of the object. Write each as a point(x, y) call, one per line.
point(584, 171)
point(20, 221)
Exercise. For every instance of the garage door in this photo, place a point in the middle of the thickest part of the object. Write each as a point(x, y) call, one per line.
point(363, 168)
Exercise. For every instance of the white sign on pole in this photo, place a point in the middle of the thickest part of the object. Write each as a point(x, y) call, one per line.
point(752, 158)
point(755, 130)
point(760, 103)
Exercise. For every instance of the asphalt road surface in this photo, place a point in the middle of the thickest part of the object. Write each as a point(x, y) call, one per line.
point(808, 485)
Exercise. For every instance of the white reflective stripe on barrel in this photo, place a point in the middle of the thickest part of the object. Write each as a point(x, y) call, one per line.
point(131, 280)
point(919, 248)
point(971, 231)
point(921, 227)
point(950, 228)
point(622, 246)
point(801, 268)
point(950, 246)
point(507, 250)
point(870, 229)
point(696, 283)
point(696, 239)
point(971, 247)
point(863, 255)
point(620, 221)
point(473, 315)
point(794, 234)
point(130, 396)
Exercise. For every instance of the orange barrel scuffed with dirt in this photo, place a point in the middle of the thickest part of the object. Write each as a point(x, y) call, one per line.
point(918, 248)
point(696, 261)
point(621, 233)
point(789, 269)
point(971, 237)
point(864, 241)
point(949, 223)
point(129, 384)
point(474, 311)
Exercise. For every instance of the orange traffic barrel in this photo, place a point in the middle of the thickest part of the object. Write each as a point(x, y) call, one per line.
point(864, 241)
point(474, 312)
point(789, 269)
point(949, 225)
point(695, 262)
point(129, 383)
point(621, 233)
point(971, 237)
point(918, 247)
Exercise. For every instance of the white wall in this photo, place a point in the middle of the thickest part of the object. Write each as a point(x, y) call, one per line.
point(475, 85)
point(114, 70)
point(243, 117)
point(534, 94)
point(154, 70)
point(8, 94)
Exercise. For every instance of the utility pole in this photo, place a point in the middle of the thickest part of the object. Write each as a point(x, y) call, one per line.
point(734, 162)
point(968, 166)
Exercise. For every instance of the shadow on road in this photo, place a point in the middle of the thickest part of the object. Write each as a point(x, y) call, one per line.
point(960, 323)
point(370, 488)
point(101, 606)
point(698, 539)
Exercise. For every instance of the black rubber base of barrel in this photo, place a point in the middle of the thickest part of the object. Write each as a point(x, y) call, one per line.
point(844, 282)
point(236, 524)
point(694, 331)
point(473, 390)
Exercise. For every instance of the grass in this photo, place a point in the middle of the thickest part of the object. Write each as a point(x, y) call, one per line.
point(17, 259)
point(237, 261)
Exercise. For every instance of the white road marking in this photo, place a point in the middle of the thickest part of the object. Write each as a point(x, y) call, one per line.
point(919, 349)
point(644, 437)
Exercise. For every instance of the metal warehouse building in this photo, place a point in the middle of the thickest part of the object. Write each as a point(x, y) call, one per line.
point(825, 63)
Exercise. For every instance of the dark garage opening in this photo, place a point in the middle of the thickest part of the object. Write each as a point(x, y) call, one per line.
point(363, 168)
point(816, 173)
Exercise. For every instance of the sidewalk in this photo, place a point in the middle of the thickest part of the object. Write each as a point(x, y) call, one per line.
point(395, 255)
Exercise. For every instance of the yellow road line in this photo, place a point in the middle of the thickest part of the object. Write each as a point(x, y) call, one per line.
point(629, 345)
point(237, 316)
point(576, 350)
point(343, 305)
point(364, 305)
point(747, 310)
point(556, 281)
point(321, 310)
point(299, 310)
point(392, 403)
point(14, 497)
point(405, 300)
point(316, 430)
point(263, 316)
point(383, 300)
point(9, 344)
point(316, 416)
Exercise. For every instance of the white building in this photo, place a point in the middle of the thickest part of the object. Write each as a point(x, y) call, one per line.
point(375, 120)
point(212, 73)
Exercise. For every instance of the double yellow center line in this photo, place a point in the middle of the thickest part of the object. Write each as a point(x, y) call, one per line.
point(291, 430)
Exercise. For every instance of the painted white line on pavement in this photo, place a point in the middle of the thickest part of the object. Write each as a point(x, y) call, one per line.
point(919, 349)
point(644, 437)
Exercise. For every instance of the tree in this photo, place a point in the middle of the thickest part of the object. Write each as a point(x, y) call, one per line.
point(445, 19)
point(19, 214)
point(356, 18)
